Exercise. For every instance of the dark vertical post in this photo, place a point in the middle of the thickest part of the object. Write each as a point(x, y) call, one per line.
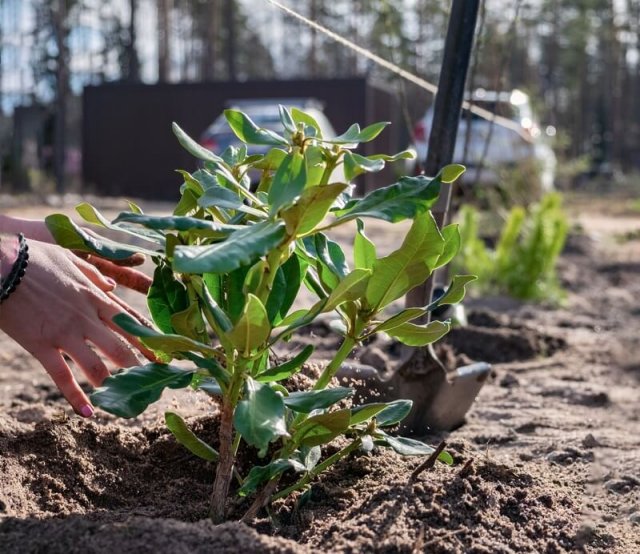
point(446, 117)
point(230, 23)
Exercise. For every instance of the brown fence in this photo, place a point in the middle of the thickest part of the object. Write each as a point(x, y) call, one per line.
point(129, 149)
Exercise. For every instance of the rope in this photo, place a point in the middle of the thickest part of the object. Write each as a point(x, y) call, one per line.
point(418, 81)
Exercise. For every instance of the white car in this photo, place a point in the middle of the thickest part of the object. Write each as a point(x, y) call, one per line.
point(507, 147)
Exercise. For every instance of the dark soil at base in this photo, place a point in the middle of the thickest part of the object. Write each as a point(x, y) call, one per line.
point(548, 460)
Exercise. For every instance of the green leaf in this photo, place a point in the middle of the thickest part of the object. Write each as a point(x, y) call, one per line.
point(355, 164)
point(323, 428)
point(187, 438)
point(166, 296)
point(219, 316)
point(311, 208)
point(287, 369)
point(285, 288)
point(177, 223)
point(302, 117)
point(188, 204)
point(189, 323)
point(193, 147)
point(451, 237)
point(351, 288)
point(307, 401)
point(288, 182)
point(400, 318)
point(214, 369)
point(402, 200)
point(457, 289)
point(412, 334)
point(247, 131)
point(396, 274)
point(221, 197)
point(259, 417)
point(362, 414)
point(91, 215)
point(167, 343)
point(353, 135)
point(271, 160)
point(66, 233)
point(241, 248)
point(404, 155)
point(410, 447)
point(129, 393)
point(285, 117)
point(394, 413)
point(252, 329)
point(207, 384)
point(364, 251)
point(449, 173)
point(263, 474)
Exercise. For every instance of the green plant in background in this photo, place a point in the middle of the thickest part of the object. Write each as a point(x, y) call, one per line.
point(230, 263)
point(524, 259)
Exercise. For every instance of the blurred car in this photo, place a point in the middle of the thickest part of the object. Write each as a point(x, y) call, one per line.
point(508, 147)
point(264, 112)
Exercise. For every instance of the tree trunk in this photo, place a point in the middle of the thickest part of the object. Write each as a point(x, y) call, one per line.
point(230, 24)
point(164, 37)
point(59, 17)
point(209, 37)
point(133, 62)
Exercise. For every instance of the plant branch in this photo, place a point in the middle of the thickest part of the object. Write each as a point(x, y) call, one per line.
point(332, 368)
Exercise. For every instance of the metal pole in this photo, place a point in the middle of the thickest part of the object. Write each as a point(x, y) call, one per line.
point(446, 117)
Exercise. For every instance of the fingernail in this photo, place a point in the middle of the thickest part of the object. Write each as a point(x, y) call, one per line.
point(111, 282)
point(86, 411)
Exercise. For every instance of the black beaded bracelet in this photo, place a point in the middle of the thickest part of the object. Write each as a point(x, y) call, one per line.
point(12, 280)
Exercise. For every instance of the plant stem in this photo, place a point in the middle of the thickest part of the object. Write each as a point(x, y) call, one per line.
point(341, 355)
point(319, 469)
point(224, 468)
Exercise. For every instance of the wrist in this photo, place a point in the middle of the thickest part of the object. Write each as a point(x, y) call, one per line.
point(11, 274)
point(9, 250)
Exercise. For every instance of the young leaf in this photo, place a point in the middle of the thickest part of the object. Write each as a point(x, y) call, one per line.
point(247, 131)
point(262, 474)
point(221, 197)
point(240, 248)
point(449, 173)
point(129, 393)
point(259, 417)
point(288, 182)
point(404, 199)
point(91, 215)
point(189, 323)
point(419, 335)
point(407, 267)
point(364, 251)
point(252, 329)
point(177, 223)
point(400, 318)
point(302, 117)
point(287, 369)
point(456, 291)
point(362, 414)
point(219, 316)
point(355, 164)
point(410, 447)
point(193, 147)
point(394, 413)
point(285, 288)
point(451, 237)
point(323, 428)
point(187, 438)
point(285, 117)
point(353, 135)
point(166, 296)
point(307, 401)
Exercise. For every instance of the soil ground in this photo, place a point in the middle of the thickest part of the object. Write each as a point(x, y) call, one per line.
point(548, 460)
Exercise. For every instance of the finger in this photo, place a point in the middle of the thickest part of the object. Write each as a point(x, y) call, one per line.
point(134, 260)
point(131, 311)
point(90, 363)
point(114, 347)
point(104, 283)
point(60, 372)
point(125, 276)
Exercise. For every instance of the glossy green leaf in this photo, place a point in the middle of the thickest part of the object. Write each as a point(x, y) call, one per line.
point(311, 208)
point(398, 319)
point(241, 248)
point(260, 416)
point(129, 393)
point(285, 117)
point(66, 233)
point(307, 401)
point(287, 369)
point(247, 131)
point(262, 474)
point(399, 272)
point(449, 173)
point(353, 135)
point(167, 343)
point(214, 369)
point(220, 318)
point(177, 223)
point(402, 200)
point(413, 334)
point(366, 412)
point(207, 384)
point(394, 413)
point(192, 146)
point(350, 288)
point(323, 428)
point(91, 215)
point(188, 204)
point(166, 296)
point(285, 288)
point(189, 323)
point(271, 160)
point(364, 251)
point(457, 289)
point(221, 197)
point(288, 182)
point(252, 329)
point(187, 438)
point(410, 447)
point(451, 237)
point(404, 155)
point(355, 164)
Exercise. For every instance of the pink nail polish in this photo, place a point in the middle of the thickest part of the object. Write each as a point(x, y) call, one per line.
point(111, 282)
point(86, 411)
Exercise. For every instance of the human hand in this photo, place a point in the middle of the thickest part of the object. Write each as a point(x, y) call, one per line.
point(121, 272)
point(62, 305)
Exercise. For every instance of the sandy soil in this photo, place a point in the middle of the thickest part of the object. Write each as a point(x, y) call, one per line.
point(548, 461)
